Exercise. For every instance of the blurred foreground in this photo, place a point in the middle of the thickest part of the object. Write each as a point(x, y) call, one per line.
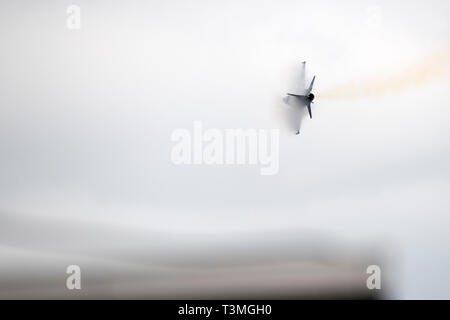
point(125, 263)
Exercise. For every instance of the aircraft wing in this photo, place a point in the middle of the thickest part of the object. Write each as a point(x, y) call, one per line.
point(309, 109)
point(295, 111)
point(298, 82)
point(302, 77)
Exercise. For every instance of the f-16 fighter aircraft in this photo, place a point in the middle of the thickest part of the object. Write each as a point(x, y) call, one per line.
point(302, 95)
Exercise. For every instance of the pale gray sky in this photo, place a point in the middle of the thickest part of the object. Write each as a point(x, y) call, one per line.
point(86, 118)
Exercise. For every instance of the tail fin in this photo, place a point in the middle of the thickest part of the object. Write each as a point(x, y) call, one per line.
point(311, 85)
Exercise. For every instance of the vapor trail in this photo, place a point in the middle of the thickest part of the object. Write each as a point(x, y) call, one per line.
point(429, 68)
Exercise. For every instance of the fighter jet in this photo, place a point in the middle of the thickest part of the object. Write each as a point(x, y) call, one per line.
point(303, 95)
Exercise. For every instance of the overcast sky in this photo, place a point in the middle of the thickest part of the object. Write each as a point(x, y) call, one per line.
point(86, 118)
